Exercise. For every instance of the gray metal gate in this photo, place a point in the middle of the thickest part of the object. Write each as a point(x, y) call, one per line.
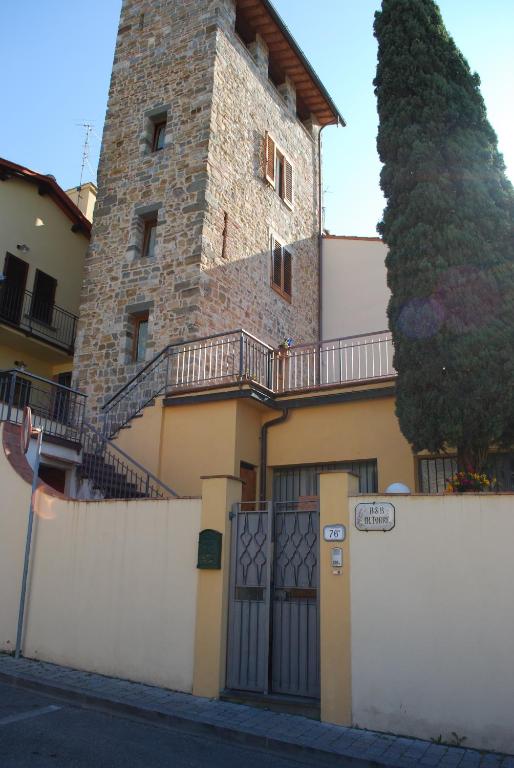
point(273, 634)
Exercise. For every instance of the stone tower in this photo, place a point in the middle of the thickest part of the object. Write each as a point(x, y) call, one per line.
point(207, 212)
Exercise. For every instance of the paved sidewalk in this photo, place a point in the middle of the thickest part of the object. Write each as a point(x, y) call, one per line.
point(289, 734)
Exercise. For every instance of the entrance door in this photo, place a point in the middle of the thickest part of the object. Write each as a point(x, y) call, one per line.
point(248, 475)
point(273, 638)
point(13, 288)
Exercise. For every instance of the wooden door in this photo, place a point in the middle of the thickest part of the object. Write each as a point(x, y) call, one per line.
point(248, 475)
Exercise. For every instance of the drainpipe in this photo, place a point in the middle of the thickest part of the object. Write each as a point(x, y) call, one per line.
point(264, 451)
point(320, 234)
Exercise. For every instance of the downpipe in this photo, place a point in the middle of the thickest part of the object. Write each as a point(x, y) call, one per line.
point(264, 451)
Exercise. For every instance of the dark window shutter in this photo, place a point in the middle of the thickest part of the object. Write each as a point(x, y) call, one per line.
point(270, 160)
point(276, 250)
point(43, 297)
point(288, 183)
point(288, 273)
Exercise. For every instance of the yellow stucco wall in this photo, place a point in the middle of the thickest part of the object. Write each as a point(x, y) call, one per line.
point(213, 438)
point(363, 429)
point(54, 248)
point(198, 439)
point(39, 358)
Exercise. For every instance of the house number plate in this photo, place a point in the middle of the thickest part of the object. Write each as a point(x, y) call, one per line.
point(334, 533)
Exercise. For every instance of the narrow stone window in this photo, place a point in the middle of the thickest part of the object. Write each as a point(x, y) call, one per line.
point(149, 235)
point(139, 336)
point(155, 128)
point(159, 134)
point(225, 236)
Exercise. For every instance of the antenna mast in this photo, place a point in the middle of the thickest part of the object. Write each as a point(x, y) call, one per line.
point(88, 127)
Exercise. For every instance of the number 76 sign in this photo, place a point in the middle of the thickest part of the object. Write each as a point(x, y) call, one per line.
point(334, 532)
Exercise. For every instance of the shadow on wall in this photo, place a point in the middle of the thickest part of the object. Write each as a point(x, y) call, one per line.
point(252, 292)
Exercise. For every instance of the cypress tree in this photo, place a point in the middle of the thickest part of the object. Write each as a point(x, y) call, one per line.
point(449, 225)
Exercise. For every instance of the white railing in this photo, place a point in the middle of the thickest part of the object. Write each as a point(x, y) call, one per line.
point(339, 361)
point(238, 357)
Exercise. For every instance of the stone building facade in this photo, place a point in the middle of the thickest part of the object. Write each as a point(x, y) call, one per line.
point(198, 124)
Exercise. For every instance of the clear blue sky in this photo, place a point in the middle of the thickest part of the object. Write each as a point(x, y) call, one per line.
point(56, 58)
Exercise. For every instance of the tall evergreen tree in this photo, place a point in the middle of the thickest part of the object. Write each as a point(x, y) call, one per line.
point(449, 225)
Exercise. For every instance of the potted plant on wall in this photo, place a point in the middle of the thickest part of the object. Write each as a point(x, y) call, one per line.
point(469, 481)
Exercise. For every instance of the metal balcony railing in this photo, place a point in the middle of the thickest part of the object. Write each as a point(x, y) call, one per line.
point(225, 358)
point(37, 317)
point(339, 361)
point(57, 409)
point(239, 357)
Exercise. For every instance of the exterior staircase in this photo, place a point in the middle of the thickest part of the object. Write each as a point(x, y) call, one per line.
point(113, 474)
point(105, 470)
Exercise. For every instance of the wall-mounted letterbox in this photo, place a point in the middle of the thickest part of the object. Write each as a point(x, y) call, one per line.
point(209, 550)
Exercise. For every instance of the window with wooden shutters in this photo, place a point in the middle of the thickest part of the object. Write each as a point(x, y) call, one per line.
point(279, 171)
point(281, 269)
point(287, 184)
point(270, 160)
point(287, 268)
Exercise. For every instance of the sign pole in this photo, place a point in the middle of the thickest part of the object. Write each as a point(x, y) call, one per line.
point(35, 477)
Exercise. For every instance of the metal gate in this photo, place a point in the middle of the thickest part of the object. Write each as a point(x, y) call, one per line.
point(273, 634)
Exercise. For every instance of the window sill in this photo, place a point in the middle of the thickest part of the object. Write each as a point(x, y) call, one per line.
point(286, 296)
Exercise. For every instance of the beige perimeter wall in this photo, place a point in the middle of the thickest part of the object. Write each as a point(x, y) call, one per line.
point(432, 625)
point(113, 585)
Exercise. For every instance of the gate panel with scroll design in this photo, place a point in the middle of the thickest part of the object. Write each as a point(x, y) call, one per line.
point(274, 599)
point(249, 605)
point(295, 624)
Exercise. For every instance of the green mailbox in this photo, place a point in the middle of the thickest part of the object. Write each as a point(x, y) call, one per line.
point(209, 550)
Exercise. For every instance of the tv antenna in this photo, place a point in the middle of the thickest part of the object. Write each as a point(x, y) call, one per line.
point(88, 128)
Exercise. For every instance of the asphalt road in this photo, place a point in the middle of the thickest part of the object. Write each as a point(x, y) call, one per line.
point(38, 731)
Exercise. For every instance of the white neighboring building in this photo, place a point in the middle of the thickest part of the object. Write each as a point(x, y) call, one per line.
point(354, 286)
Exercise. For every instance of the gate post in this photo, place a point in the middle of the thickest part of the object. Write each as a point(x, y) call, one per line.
point(334, 602)
point(219, 494)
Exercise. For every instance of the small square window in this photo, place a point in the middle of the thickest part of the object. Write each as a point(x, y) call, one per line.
point(149, 236)
point(159, 134)
point(140, 337)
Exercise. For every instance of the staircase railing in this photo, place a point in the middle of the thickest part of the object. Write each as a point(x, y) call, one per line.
point(211, 361)
point(114, 474)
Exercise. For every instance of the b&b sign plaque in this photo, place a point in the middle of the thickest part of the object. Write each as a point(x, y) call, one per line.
point(374, 516)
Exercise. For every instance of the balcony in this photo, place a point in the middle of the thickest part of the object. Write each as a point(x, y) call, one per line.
point(37, 317)
point(238, 358)
point(57, 409)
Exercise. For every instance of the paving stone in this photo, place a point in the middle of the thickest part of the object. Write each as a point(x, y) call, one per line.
point(382, 749)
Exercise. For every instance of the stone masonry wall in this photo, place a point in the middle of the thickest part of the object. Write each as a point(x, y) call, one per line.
point(237, 287)
point(183, 59)
point(164, 62)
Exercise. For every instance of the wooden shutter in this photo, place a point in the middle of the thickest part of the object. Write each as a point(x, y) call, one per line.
point(270, 160)
point(288, 183)
point(288, 273)
point(276, 265)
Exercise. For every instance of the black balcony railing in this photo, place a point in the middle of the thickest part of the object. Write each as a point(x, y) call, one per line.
point(58, 410)
point(37, 317)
